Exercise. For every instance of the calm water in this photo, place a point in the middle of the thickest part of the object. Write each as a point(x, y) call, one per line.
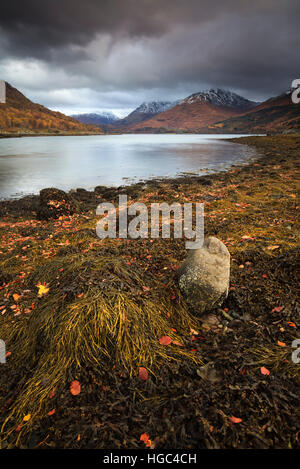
point(33, 163)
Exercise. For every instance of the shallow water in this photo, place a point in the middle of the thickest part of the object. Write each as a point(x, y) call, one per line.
point(33, 163)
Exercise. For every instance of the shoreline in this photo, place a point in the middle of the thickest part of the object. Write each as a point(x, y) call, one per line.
point(21, 135)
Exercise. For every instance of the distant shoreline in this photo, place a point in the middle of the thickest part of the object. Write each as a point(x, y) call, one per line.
point(49, 135)
point(132, 133)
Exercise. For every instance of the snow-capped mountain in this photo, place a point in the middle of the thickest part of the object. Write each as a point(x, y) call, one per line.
point(143, 112)
point(155, 107)
point(196, 112)
point(219, 97)
point(99, 118)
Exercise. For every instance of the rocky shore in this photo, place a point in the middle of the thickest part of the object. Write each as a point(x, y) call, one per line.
point(226, 380)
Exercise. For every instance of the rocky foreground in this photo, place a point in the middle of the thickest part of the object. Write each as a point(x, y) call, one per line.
point(102, 351)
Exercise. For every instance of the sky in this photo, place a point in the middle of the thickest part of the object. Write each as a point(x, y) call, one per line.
point(86, 56)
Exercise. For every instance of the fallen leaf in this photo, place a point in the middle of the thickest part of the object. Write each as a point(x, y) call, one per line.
point(235, 419)
point(27, 417)
point(143, 373)
point(277, 309)
point(292, 324)
point(271, 248)
point(145, 438)
point(52, 412)
point(16, 296)
point(43, 289)
point(165, 340)
point(75, 388)
point(281, 344)
point(264, 371)
point(52, 394)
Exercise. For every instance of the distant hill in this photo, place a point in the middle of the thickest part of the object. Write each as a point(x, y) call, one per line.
point(20, 115)
point(98, 118)
point(142, 113)
point(196, 111)
point(277, 114)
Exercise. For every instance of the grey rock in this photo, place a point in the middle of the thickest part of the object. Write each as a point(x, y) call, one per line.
point(204, 276)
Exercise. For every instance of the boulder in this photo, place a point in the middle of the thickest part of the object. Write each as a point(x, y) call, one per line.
point(55, 203)
point(204, 276)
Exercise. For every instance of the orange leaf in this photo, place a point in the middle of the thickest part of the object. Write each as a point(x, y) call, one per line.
point(165, 340)
point(143, 373)
point(75, 388)
point(235, 419)
point(145, 438)
point(264, 371)
point(177, 343)
point(281, 344)
point(16, 296)
point(27, 417)
point(292, 324)
point(52, 412)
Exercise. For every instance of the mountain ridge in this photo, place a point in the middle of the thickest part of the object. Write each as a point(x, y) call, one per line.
point(19, 115)
point(96, 118)
point(196, 111)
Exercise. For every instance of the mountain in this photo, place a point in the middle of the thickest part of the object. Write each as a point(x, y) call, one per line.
point(98, 118)
point(278, 114)
point(142, 113)
point(20, 115)
point(196, 111)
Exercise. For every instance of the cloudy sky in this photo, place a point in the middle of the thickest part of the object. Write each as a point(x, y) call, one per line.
point(90, 55)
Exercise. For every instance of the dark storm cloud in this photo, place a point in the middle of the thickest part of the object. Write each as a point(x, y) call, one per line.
point(118, 52)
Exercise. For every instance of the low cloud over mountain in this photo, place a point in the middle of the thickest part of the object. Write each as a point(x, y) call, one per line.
point(74, 55)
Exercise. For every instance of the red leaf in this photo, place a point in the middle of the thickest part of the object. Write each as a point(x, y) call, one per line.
point(277, 309)
point(235, 419)
point(165, 340)
point(52, 394)
point(52, 412)
point(75, 388)
point(264, 371)
point(144, 437)
point(143, 373)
